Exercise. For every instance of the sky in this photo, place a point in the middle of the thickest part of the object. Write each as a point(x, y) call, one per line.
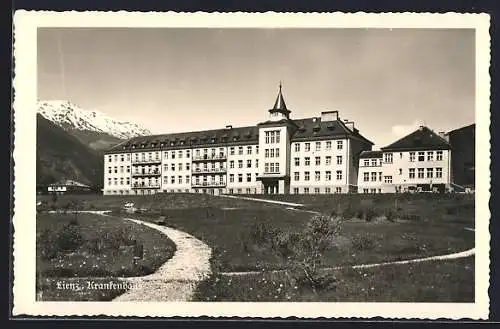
point(388, 81)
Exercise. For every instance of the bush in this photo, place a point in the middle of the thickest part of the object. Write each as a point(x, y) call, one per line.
point(369, 214)
point(390, 215)
point(69, 238)
point(363, 242)
point(48, 247)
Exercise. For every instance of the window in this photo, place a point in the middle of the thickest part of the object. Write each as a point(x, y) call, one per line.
point(271, 167)
point(180, 166)
point(165, 155)
point(231, 178)
point(339, 159)
point(266, 167)
point(308, 147)
point(328, 190)
point(316, 190)
point(122, 157)
point(317, 175)
point(116, 181)
point(277, 167)
point(439, 155)
point(271, 153)
point(247, 190)
point(306, 190)
point(110, 170)
point(388, 179)
point(328, 145)
point(297, 147)
point(231, 191)
point(180, 154)
point(188, 153)
point(239, 190)
point(318, 146)
point(267, 137)
point(296, 175)
point(277, 136)
point(249, 163)
point(374, 176)
point(374, 162)
point(257, 149)
point(328, 160)
point(380, 176)
point(307, 161)
point(411, 173)
point(172, 167)
point(231, 151)
point(430, 156)
point(318, 161)
point(231, 164)
point(430, 172)
point(388, 157)
point(295, 190)
point(297, 161)
point(400, 171)
point(179, 179)
point(266, 153)
point(439, 172)
point(188, 165)
point(306, 175)
point(366, 163)
point(116, 157)
point(338, 190)
point(339, 145)
point(165, 179)
point(365, 190)
point(339, 174)
point(420, 172)
point(127, 181)
point(109, 158)
point(249, 178)
point(109, 181)
point(240, 178)
point(121, 180)
point(366, 177)
point(249, 150)
point(328, 175)
point(240, 150)
point(412, 156)
point(173, 154)
point(240, 163)
point(421, 156)
point(172, 179)
point(277, 153)
point(128, 169)
point(187, 179)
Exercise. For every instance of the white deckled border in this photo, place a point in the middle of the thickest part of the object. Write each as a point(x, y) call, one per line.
point(25, 84)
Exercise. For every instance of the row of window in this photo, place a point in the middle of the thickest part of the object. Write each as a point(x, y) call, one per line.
point(121, 181)
point(420, 156)
point(272, 137)
point(115, 169)
point(232, 150)
point(272, 167)
point(317, 175)
point(316, 190)
point(120, 157)
point(317, 161)
point(240, 164)
point(420, 173)
point(248, 177)
point(372, 162)
point(317, 146)
point(271, 153)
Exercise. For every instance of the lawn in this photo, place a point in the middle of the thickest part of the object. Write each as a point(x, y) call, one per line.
point(240, 234)
point(76, 249)
point(448, 281)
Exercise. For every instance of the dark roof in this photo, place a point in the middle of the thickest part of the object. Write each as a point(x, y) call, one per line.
point(471, 126)
point(314, 128)
point(421, 139)
point(370, 154)
point(279, 105)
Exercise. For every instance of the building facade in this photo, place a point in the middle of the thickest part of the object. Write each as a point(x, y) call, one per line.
point(463, 162)
point(418, 162)
point(278, 156)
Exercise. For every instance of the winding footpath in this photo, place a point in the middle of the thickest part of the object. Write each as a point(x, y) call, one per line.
point(176, 279)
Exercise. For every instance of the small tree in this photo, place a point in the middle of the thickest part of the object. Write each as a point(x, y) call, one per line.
point(305, 249)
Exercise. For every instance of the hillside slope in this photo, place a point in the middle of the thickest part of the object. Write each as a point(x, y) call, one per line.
point(62, 156)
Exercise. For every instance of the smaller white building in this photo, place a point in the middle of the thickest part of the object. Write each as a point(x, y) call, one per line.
point(418, 162)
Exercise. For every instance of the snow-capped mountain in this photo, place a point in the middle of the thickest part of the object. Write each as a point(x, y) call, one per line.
point(70, 116)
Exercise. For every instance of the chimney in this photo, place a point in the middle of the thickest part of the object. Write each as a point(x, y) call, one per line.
point(329, 116)
point(444, 136)
point(229, 127)
point(350, 125)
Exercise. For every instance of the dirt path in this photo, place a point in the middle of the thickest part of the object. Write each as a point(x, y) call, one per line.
point(176, 280)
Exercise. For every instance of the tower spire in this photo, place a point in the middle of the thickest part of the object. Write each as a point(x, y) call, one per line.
point(279, 109)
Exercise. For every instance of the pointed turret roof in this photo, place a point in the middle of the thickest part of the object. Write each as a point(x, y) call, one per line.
point(279, 104)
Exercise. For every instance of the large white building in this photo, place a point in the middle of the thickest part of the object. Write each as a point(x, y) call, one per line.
point(278, 156)
point(420, 161)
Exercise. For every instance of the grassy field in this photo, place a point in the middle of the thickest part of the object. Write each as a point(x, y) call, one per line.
point(93, 248)
point(239, 231)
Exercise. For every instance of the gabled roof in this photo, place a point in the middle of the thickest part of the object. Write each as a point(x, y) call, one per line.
point(370, 155)
point(69, 182)
point(312, 128)
point(421, 139)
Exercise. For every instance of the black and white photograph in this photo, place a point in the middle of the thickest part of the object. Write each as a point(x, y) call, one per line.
point(289, 161)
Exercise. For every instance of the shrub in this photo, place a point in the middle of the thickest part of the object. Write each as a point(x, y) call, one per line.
point(69, 238)
point(390, 215)
point(47, 242)
point(363, 242)
point(369, 214)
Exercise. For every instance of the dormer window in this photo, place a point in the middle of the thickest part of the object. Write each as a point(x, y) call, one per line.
point(153, 144)
point(172, 143)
